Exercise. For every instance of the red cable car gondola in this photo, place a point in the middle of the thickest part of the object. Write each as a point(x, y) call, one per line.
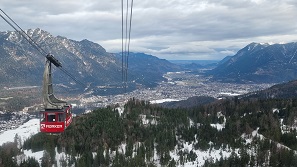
point(55, 121)
point(57, 115)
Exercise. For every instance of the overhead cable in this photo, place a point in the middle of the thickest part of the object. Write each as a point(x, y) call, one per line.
point(18, 29)
point(126, 47)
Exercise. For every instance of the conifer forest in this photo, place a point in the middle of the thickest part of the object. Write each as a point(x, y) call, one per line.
point(253, 132)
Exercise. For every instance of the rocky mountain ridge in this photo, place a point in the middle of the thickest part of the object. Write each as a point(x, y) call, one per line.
point(259, 63)
point(89, 62)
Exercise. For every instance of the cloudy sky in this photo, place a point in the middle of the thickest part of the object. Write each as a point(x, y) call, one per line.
point(169, 29)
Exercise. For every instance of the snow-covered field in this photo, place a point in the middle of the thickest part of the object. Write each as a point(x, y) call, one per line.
point(163, 100)
point(24, 131)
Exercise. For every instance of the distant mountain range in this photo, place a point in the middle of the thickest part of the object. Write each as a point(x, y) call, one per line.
point(149, 69)
point(22, 65)
point(259, 63)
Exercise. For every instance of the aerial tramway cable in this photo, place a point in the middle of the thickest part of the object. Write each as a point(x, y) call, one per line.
point(18, 29)
point(22, 33)
point(126, 49)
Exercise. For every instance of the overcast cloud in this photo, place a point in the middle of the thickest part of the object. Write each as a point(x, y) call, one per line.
point(171, 29)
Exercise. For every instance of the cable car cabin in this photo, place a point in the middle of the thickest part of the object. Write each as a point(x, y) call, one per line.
point(57, 115)
point(55, 121)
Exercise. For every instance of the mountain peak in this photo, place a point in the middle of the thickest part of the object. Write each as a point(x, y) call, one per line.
point(255, 46)
point(37, 34)
point(88, 61)
point(36, 31)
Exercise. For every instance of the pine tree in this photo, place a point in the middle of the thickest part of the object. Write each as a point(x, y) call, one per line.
point(46, 160)
point(30, 162)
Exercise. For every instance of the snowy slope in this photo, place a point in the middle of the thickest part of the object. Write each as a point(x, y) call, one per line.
point(24, 131)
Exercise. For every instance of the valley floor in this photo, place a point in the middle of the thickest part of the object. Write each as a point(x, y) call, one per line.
point(180, 86)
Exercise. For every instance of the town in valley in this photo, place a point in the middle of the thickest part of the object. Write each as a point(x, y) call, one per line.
point(179, 86)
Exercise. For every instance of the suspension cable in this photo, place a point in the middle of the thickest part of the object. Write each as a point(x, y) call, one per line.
point(129, 36)
point(122, 41)
point(22, 33)
point(18, 29)
point(126, 48)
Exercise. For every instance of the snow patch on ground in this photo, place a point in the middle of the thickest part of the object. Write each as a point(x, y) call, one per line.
point(250, 137)
point(24, 131)
point(211, 155)
point(229, 94)
point(162, 101)
point(120, 110)
point(60, 157)
point(218, 126)
point(147, 121)
point(28, 153)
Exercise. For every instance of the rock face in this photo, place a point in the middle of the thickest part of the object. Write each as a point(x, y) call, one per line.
point(260, 63)
point(21, 64)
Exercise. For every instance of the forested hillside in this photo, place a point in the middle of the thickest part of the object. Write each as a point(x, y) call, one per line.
point(224, 133)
